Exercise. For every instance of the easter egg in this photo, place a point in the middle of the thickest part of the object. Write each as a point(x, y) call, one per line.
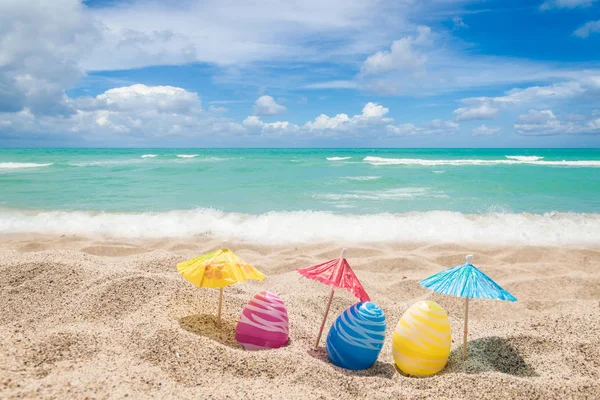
point(422, 339)
point(263, 323)
point(356, 336)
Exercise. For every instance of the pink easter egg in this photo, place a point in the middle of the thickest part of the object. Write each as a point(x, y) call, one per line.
point(263, 323)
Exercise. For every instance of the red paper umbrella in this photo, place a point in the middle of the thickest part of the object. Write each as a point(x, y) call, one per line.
point(337, 274)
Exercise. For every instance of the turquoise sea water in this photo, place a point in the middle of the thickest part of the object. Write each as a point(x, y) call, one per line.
point(330, 185)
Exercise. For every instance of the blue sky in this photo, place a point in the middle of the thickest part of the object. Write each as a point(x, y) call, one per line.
point(408, 73)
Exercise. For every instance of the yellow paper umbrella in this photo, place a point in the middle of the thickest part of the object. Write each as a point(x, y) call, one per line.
point(218, 269)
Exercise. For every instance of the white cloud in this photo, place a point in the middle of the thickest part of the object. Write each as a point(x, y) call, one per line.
point(482, 111)
point(217, 109)
point(480, 108)
point(539, 123)
point(372, 114)
point(373, 110)
point(483, 130)
point(441, 66)
point(549, 4)
point(254, 124)
point(266, 105)
point(544, 122)
point(534, 93)
point(136, 111)
point(435, 127)
point(340, 84)
point(402, 55)
point(323, 122)
point(459, 23)
point(138, 98)
point(139, 33)
point(587, 29)
point(41, 44)
point(556, 91)
point(140, 112)
point(423, 35)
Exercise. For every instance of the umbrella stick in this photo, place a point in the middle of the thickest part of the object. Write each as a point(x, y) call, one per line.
point(220, 303)
point(466, 332)
point(324, 319)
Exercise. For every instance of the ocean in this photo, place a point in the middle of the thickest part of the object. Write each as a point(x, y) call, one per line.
point(523, 196)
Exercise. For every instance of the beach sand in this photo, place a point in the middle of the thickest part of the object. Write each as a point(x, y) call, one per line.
point(107, 318)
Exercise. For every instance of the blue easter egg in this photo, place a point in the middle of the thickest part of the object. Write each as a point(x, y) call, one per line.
point(356, 336)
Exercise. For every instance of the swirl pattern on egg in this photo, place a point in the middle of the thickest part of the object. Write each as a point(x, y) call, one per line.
point(356, 336)
point(422, 339)
point(263, 323)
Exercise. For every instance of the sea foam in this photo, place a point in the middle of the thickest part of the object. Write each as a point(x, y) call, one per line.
point(338, 158)
point(18, 165)
point(106, 163)
point(308, 226)
point(149, 156)
point(431, 163)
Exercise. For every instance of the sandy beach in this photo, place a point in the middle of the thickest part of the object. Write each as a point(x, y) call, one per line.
point(99, 318)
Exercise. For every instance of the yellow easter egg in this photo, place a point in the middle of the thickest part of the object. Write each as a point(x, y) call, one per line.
point(422, 339)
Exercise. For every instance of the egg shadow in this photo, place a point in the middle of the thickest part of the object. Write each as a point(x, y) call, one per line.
point(489, 354)
point(381, 369)
point(208, 326)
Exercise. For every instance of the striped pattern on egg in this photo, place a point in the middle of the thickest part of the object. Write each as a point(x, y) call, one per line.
point(263, 323)
point(356, 336)
point(422, 339)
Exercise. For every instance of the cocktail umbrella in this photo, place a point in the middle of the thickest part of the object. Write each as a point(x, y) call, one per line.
point(469, 282)
point(337, 274)
point(218, 269)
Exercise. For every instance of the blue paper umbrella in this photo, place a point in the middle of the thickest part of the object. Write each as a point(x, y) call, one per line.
point(469, 282)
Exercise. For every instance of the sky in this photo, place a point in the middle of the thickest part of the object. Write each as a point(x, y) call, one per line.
point(311, 73)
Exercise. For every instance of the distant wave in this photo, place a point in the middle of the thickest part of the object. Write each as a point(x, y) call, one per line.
point(307, 226)
point(432, 163)
point(362, 178)
point(388, 194)
point(105, 163)
point(524, 158)
point(215, 159)
point(133, 161)
point(439, 172)
point(338, 158)
point(17, 165)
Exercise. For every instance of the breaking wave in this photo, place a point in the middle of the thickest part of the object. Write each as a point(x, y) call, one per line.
point(308, 226)
point(18, 165)
point(432, 163)
point(105, 163)
point(338, 158)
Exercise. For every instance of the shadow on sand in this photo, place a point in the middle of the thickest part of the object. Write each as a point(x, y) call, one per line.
point(381, 369)
point(208, 326)
point(489, 354)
